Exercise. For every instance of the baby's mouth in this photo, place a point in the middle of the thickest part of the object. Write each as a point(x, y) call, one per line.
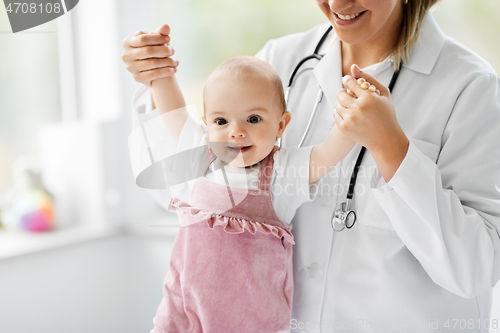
point(238, 149)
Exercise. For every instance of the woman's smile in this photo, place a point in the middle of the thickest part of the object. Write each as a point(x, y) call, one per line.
point(345, 19)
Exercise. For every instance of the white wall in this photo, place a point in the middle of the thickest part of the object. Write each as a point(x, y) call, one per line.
point(108, 285)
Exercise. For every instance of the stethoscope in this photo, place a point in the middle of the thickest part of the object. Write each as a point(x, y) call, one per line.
point(343, 216)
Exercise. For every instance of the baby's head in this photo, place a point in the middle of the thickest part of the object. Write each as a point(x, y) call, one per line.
point(245, 110)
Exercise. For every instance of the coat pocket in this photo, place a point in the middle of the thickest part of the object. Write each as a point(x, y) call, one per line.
point(429, 149)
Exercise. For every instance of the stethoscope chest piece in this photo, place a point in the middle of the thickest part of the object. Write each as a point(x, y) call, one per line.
point(343, 217)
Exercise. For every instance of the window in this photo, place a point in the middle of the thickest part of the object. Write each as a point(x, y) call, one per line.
point(29, 91)
point(474, 24)
point(42, 86)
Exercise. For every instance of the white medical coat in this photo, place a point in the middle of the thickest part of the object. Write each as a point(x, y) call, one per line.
point(425, 249)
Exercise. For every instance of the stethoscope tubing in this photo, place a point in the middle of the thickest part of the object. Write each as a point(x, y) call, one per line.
point(354, 176)
point(319, 97)
point(342, 211)
point(315, 55)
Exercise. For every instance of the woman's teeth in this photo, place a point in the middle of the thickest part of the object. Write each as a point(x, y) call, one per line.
point(348, 17)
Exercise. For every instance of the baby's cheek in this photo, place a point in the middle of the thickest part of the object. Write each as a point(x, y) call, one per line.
point(213, 136)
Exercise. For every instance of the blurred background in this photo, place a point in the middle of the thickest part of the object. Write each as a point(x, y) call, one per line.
point(65, 115)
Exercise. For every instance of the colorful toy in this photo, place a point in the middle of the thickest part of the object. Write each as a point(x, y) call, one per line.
point(28, 205)
point(33, 210)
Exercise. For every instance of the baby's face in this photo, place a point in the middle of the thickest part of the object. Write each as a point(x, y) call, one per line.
point(243, 119)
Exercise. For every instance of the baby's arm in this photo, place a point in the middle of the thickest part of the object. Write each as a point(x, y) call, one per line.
point(327, 154)
point(169, 99)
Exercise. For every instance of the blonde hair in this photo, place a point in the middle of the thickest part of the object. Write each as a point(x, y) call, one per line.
point(246, 66)
point(414, 12)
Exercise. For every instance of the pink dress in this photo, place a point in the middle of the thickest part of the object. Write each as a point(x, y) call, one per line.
point(230, 270)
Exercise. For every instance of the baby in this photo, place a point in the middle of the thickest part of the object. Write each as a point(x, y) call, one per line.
point(231, 264)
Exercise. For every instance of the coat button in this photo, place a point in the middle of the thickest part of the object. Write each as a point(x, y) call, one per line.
point(313, 270)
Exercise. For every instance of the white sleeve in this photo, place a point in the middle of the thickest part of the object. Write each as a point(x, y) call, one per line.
point(142, 104)
point(290, 186)
point(156, 159)
point(187, 163)
point(448, 215)
point(193, 134)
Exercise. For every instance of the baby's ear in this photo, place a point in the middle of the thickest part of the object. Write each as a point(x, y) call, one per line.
point(285, 119)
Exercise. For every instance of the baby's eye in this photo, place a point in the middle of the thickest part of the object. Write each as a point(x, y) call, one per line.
point(220, 121)
point(254, 119)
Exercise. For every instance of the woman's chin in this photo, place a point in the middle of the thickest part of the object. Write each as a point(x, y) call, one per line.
point(348, 37)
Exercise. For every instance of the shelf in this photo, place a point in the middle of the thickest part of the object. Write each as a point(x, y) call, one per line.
point(14, 243)
point(165, 225)
point(18, 242)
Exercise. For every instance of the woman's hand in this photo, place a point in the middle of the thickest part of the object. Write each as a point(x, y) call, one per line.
point(148, 56)
point(370, 120)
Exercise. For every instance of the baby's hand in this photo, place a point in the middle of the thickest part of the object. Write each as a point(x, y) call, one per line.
point(148, 55)
point(365, 112)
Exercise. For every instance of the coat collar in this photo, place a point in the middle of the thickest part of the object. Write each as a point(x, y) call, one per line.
point(425, 53)
point(423, 57)
point(328, 71)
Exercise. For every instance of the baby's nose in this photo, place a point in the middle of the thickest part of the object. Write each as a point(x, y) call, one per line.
point(237, 131)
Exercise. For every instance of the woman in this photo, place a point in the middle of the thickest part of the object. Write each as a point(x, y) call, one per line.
point(424, 253)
